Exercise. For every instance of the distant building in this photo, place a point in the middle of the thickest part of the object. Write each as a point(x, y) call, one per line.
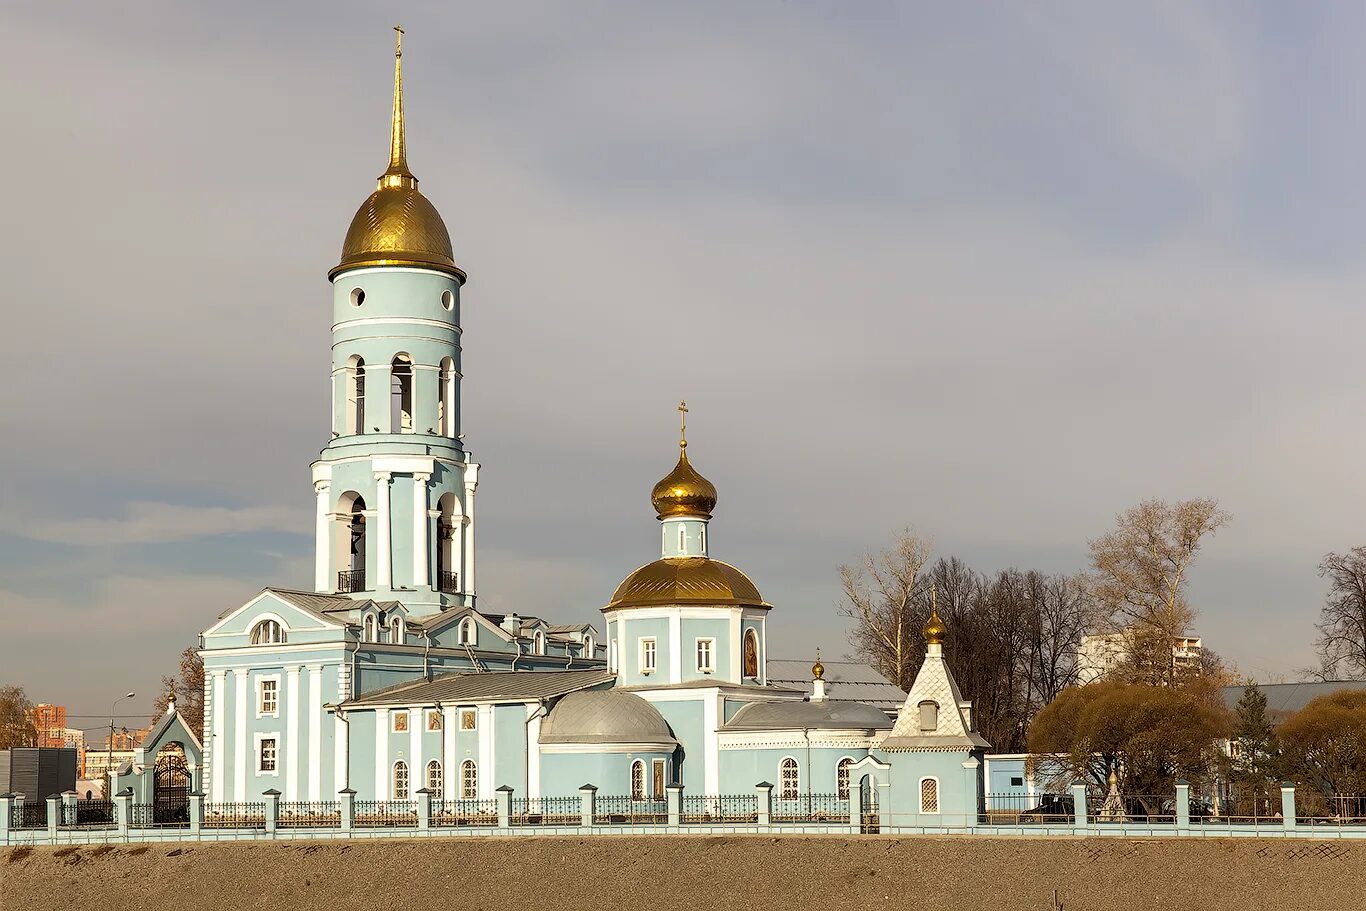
point(74, 738)
point(50, 720)
point(1099, 654)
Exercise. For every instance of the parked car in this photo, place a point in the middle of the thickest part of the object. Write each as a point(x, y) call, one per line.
point(1051, 808)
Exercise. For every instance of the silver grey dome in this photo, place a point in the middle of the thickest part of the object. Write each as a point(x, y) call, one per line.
point(605, 716)
point(795, 716)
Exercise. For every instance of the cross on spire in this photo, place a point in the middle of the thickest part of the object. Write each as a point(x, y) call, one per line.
point(682, 425)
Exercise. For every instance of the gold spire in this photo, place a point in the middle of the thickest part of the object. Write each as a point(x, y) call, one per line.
point(934, 627)
point(398, 174)
point(818, 669)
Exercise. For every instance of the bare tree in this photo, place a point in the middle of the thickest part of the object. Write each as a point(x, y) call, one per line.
point(16, 719)
point(188, 689)
point(880, 594)
point(1139, 579)
point(1342, 619)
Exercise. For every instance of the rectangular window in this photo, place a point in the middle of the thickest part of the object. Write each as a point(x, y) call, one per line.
point(706, 649)
point(468, 719)
point(1016, 782)
point(658, 779)
point(268, 701)
point(433, 720)
point(647, 656)
point(400, 722)
point(266, 762)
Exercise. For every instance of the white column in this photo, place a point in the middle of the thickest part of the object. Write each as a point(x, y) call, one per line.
point(448, 763)
point(711, 758)
point(239, 737)
point(341, 753)
point(417, 770)
point(384, 575)
point(323, 546)
point(486, 772)
point(421, 522)
point(314, 679)
point(468, 583)
point(675, 647)
point(382, 754)
point(217, 769)
point(533, 750)
point(292, 710)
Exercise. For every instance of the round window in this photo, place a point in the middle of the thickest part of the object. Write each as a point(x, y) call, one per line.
point(447, 299)
point(357, 296)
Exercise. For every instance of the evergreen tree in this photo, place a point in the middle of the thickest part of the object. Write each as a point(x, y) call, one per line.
point(1255, 760)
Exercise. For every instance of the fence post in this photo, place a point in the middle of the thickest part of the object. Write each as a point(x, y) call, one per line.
point(123, 810)
point(673, 795)
point(1079, 807)
point(348, 808)
point(588, 799)
point(54, 814)
point(765, 791)
point(69, 799)
point(6, 812)
point(855, 809)
point(1288, 806)
point(1183, 806)
point(196, 812)
point(504, 795)
point(424, 808)
point(272, 810)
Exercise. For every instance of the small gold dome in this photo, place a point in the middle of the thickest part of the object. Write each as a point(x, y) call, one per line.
point(818, 669)
point(935, 631)
point(396, 225)
point(686, 580)
point(684, 492)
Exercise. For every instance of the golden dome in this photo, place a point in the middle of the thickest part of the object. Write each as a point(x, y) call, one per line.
point(397, 225)
point(935, 630)
point(686, 580)
point(684, 492)
point(818, 669)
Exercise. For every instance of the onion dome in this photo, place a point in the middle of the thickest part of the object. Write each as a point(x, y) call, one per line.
point(397, 225)
point(684, 492)
point(686, 580)
point(935, 630)
point(818, 669)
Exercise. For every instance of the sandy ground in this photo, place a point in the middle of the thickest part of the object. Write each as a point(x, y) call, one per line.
point(694, 873)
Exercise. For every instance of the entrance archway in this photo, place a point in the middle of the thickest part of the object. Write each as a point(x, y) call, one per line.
point(171, 787)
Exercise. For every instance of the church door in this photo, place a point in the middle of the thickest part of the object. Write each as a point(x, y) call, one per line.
point(171, 789)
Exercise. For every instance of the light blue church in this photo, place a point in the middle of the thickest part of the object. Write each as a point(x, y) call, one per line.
point(386, 678)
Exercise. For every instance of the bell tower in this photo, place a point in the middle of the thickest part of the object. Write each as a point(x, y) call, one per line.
point(395, 483)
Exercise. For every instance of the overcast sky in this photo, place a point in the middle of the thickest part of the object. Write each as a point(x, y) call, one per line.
point(992, 272)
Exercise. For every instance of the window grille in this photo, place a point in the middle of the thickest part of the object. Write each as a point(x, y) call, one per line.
point(400, 780)
point(789, 779)
point(929, 795)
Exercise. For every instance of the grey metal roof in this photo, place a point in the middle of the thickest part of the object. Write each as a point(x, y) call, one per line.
point(796, 716)
point(605, 716)
point(1283, 698)
point(845, 681)
point(515, 686)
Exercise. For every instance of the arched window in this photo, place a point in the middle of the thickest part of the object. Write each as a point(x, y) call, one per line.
point(751, 653)
point(355, 395)
point(538, 642)
point(370, 633)
point(401, 394)
point(397, 629)
point(789, 779)
point(638, 780)
point(436, 782)
point(400, 780)
point(842, 778)
point(447, 572)
point(445, 408)
point(267, 632)
point(467, 632)
point(929, 795)
point(469, 780)
point(350, 542)
point(929, 715)
point(589, 647)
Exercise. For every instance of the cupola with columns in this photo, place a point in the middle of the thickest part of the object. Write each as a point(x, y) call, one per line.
point(395, 484)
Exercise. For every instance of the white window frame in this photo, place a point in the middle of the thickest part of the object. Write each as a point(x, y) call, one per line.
point(682, 538)
point(538, 642)
point(638, 794)
point(469, 780)
point(260, 695)
point(427, 716)
point(469, 713)
point(710, 667)
point(844, 764)
point(653, 651)
point(796, 780)
point(393, 780)
point(370, 628)
point(398, 630)
point(467, 633)
point(920, 796)
point(589, 647)
point(259, 739)
point(393, 721)
point(261, 624)
point(439, 789)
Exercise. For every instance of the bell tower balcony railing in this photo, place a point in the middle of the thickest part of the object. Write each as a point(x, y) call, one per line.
point(448, 582)
point(351, 580)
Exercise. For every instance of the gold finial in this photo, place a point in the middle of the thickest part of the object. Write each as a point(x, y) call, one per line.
point(934, 627)
point(682, 426)
point(397, 174)
point(818, 669)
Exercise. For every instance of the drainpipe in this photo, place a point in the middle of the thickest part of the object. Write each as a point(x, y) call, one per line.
point(426, 652)
point(517, 644)
point(354, 653)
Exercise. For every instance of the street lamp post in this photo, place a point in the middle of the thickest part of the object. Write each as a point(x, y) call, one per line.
point(109, 768)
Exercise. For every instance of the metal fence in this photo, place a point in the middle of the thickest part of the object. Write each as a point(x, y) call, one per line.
point(465, 812)
point(376, 813)
point(89, 814)
point(234, 815)
point(31, 814)
point(724, 808)
point(1013, 809)
point(622, 810)
point(1313, 808)
point(309, 814)
point(810, 808)
point(547, 811)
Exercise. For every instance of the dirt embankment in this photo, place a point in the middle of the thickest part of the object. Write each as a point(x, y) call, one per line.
point(694, 873)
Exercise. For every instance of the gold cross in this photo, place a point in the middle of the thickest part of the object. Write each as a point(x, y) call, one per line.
point(683, 424)
point(398, 41)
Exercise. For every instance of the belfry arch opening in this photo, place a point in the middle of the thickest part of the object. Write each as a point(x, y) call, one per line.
point(447, 541)
point(355, 395)
point(350, 542)
point(401, 394)
point(445, 402)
